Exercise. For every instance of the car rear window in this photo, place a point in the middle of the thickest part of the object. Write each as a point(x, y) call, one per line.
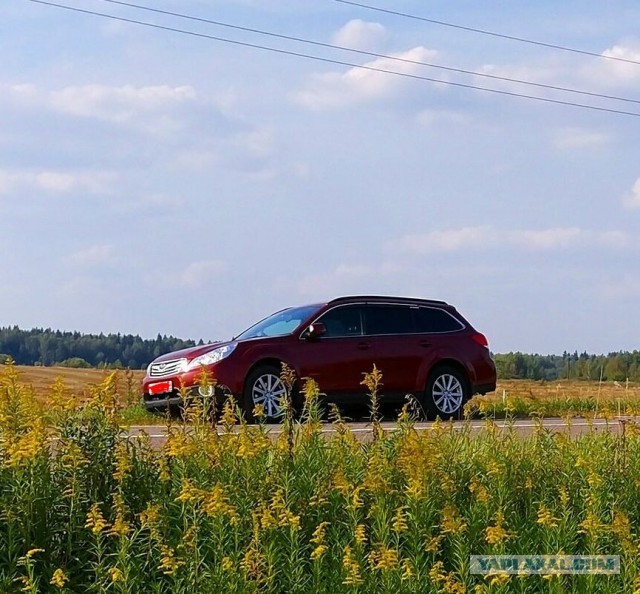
point(432, 319)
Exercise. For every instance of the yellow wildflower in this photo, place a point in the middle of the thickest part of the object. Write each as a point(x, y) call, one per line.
point(594, 479)
point(59, 579)
point(95, 520)
point(546, 518)
point(564, 495)
point(318, 552)
point(179, 444)
point(400, 521)
point(408, 570)
point(164, 468)
point(169, 564)
point(116, 575)
point(253, 562)
point(384, 559)
point(591, 525)
point(32, 552)
point(498, 579)
point(319, 534)
point(352, 569)
point(120, 526)
point(361, 534)
point(226, 564)
point(433, 544)
point(452, 522)
point(497, 534)
point(122, 462)
point(437, 574)
point(150, 516)
point(189, 493)
point(478, 490)
point(356, 500)
point(215, 502)
point(340, 482)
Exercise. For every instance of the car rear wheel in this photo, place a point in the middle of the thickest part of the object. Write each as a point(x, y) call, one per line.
point(264, 387)
point(447, 391)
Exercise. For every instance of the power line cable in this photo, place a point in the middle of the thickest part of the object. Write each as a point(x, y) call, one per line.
point(485, 32)
point(333, 61)
point(373, 54)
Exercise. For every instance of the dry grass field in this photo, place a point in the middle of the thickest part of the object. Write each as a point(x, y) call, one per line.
point(519, 397)
point(77, 381)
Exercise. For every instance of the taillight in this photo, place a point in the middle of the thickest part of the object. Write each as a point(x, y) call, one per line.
point(481, 339)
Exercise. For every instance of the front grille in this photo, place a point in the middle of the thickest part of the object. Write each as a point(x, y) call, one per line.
point(166, 368)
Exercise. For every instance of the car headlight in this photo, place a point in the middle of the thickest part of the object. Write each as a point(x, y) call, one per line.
point(212, 356)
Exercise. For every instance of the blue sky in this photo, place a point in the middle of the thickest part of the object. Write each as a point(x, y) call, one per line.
point(152, 182)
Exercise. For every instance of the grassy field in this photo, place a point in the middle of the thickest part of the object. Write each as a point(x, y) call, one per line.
point(85, 509)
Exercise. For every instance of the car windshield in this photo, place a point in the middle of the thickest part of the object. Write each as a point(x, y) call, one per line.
point(280, 323)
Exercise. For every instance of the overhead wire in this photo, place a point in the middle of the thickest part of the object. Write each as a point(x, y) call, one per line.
point(372, 54)
point(335, 61)
point(491, 33)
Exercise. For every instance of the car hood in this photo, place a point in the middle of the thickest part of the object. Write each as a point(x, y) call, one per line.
point(190, 353)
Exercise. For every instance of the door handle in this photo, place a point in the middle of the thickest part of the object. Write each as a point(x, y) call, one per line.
point(425, 343)
point(363, 346)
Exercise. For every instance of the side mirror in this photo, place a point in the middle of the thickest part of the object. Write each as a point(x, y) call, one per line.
point(316, 330)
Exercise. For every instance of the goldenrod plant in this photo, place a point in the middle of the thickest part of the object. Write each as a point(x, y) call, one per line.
point(309, 506)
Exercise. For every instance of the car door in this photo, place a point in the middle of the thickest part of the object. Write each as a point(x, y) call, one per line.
point(338, 359)
point(396, 347)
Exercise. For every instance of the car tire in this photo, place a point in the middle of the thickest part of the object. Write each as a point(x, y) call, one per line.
point(446, 393)
point(264, 386)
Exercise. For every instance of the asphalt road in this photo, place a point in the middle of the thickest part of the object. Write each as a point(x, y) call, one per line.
point(524, 427)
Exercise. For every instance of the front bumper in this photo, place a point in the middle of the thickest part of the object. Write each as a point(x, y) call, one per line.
point(175, 399)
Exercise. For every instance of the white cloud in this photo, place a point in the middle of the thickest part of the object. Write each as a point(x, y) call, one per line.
point(359, 34)
point(118, 104)
point(95, 255)
point(489, 238)
point(149, 109)
point(547, 239)
point(624, 71)
point(580, 138)
point(357, 85)
point(198, 274)
point(446, 241)
point(612, 74)
point(57, 182)
point(632, 198)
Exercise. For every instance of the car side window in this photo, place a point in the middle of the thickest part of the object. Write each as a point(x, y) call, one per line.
point(388, 319)
point(432, 319)
point(343, 321)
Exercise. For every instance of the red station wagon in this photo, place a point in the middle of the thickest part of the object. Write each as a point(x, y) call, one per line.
point(422, 347)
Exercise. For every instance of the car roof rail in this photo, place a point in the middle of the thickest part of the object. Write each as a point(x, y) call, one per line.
point(387, 298)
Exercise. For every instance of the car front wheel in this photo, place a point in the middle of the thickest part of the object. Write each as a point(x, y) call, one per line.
point(265, 388)
point(447, 391)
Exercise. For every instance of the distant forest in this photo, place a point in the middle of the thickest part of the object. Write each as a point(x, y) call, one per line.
point(617, 367)
point(73, 349)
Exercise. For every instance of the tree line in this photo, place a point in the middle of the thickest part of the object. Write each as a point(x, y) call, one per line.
point(73, 349)
point(619, 366)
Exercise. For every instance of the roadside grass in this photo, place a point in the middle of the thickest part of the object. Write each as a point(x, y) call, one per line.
point(228, 508)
